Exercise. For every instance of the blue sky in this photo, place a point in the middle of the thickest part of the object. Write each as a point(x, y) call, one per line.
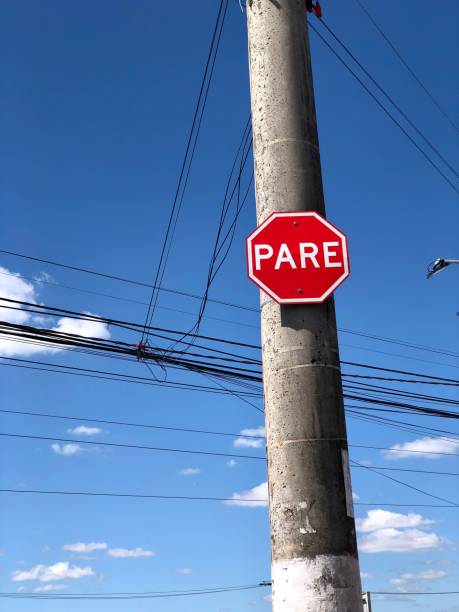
point(96, 100)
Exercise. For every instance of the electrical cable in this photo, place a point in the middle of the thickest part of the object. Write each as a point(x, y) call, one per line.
point(231, 500)
point(405, 63)
point(405, 484)
point(388, 97)
point(146, 595)
point(197, 297)
point(187, 160)
point(130, 446)
point(384, 109)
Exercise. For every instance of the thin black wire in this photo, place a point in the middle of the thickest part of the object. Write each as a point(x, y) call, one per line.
point(114, 376)
point(380, 368)
point(236, 373)
point(381, 390)
point(130, 446)
point(51, 311)
point(391, 469)
point(403, 343)
point(384, 109)
point(405, 63)
point(194, 431)
point(388, 97)
point(124, 280)
point(229, 236)
point(178, 199)
point(415, 593)
point(405, 484)
point(192, 498)
point(401, 380)
point(208, 453)
point(128, 596)
point(128, 424)
point(197, 297)
point(401, 425)
point(399, 450)
point(243, 154)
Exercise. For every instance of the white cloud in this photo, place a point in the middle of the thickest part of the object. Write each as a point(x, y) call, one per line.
point(394, 532)
point(250, 442)
point(384, 519)
point(231, 463)
point(355, 497)
point(66, 449)
point(184, 570)
point(83, 327)
point(50, 587)
point(51, 573)
point(85, 547)
point(365, 575)
point(268, 598)
point(43, 277)
point(399, 540)
point(412, 582)
point(423, 447)
point(14, 287)
point(253, 498)
point(82, 430)
point(124, 553)
point(189, 471)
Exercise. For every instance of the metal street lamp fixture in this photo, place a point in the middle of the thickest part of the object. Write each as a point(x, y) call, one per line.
point(438, 265)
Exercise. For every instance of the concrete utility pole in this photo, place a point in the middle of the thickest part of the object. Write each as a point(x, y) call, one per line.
point(314, 553)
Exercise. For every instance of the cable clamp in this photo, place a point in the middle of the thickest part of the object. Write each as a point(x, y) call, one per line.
point(314, 7)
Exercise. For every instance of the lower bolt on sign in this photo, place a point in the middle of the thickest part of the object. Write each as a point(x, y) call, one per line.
point(297, 257)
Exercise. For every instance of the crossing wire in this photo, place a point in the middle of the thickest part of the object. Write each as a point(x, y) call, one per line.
point(389, 98)
point(405, 63)
point(383, 108)
point(198, 297)
point(187, 160)
point(137, 595)
point(231, 500)
point(404, 484)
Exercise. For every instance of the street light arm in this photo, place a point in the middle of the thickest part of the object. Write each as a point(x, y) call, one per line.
point(438, 265)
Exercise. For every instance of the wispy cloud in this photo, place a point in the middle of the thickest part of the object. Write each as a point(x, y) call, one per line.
point(52, 573)
point(66, 449)
point(85, 547)
point(125, 553)
point(82, 430)
point(231, 463)
point(50, 587)
point(184, 570)
point(422, 448)
point(255, 442)
point(252, 498)
point(418, 581)
point(190, 471)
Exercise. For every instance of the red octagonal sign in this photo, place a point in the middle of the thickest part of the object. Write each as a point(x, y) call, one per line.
point(297, 257)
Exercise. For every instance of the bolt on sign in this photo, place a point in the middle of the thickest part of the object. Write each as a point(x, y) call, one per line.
point(297, 257)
